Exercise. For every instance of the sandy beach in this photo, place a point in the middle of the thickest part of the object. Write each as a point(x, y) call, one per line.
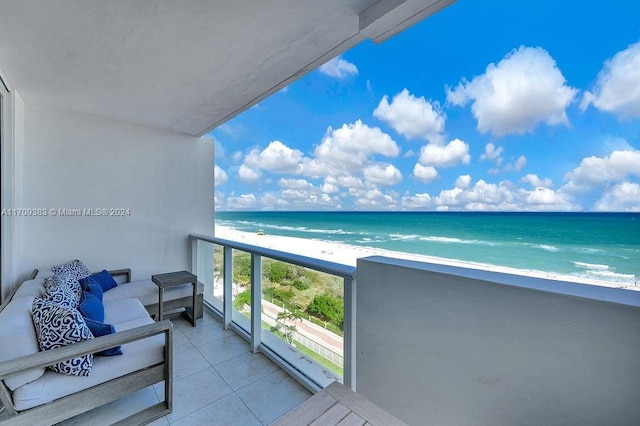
point(349, 254)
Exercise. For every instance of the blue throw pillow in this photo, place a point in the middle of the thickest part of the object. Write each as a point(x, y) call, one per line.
point(99, 329)
point(105, 280)
point(92, 286)
point(91, 307)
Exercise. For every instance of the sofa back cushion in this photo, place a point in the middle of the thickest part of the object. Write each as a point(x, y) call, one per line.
point(34, 287)
point(19, 339)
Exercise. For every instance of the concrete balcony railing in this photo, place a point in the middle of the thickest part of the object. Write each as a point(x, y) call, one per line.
point(463, 346)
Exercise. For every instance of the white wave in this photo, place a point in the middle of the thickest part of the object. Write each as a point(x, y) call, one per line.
point(609, 276)
point(591, 266)
point(403, 237)
point(310, 230)
point(547, 247)
point(445, 240)
point(459, 241)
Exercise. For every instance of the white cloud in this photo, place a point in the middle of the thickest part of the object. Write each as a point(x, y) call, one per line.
point(417, 201)
point(624, 197)
point(491, 152)
point(503, 196)
point(450, 197)
point(535, 181)
point(412, 117)
point(350, 182)
point(545, 198)
point(425, 173)
point(237, 156)
point(350, 146)
point(294, 183)
point(276, 157)
point(338, 68)
point(376, 199)
point(329, 188)
point(455, 152)
point(296, 194)
point(618, 87)
point(385, 175)
point(517, 165)
point(244, 201)
point(219, 176)
point(463, 181)
point(525, 88)
point(597, 171)
point(248, 174)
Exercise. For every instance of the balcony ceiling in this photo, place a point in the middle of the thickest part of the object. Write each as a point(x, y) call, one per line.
point(181, 65)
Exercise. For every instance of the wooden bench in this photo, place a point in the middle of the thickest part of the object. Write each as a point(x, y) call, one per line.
point(337, 405)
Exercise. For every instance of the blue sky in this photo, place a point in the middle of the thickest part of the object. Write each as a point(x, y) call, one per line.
point(487, 105)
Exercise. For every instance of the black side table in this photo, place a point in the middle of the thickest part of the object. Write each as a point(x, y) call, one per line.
point(172, 279)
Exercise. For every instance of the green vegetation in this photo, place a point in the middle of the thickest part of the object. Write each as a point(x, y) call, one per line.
point(321, 360)
point(278, 271)
point(328, 308)
point(242, 300)
point(286, 325)
point(242, 270)
point(293, 287)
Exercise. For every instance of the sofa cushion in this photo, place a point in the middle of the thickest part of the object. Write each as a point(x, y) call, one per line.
point(105, 280)
point(44, 273)
point(17, 328)
point(136, 355)
point(147, 292)
point(100, 329)
point(75, 268)
point(117, 312)
point(31, 288)
point(57, 326)
point(92, 286)
point(91, 307)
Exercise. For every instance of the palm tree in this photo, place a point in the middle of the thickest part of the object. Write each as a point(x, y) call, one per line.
point(287, 331)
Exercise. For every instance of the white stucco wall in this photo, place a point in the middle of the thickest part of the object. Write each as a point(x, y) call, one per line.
point(437, 346)
point(80, 161)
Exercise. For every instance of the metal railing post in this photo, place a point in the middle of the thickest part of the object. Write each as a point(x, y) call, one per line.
point(194, 255)
point(256, 302)
point(227, 286)
point(349, 339)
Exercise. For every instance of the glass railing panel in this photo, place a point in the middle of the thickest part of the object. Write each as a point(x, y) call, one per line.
point(303, 313)
point(208, 272)
point(241, 290)
point(304, 309)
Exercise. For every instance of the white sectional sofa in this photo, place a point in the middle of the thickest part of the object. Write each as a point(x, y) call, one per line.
point(34, 394)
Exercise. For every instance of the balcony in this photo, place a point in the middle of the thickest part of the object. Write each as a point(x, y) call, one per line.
point(456, 345)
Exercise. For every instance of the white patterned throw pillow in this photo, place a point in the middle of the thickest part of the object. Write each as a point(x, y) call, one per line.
point(58, 326)
point(75, 268)
point(68, 280)
point(62, 295)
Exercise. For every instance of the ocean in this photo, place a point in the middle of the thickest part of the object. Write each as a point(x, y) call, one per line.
point(600, 246)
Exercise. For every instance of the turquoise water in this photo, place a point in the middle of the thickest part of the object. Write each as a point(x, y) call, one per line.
point(603, 246)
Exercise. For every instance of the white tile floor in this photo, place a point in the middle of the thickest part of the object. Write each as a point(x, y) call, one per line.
point(217, 381)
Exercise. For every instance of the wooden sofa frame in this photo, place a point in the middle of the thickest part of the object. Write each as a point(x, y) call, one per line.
point(98, 395)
